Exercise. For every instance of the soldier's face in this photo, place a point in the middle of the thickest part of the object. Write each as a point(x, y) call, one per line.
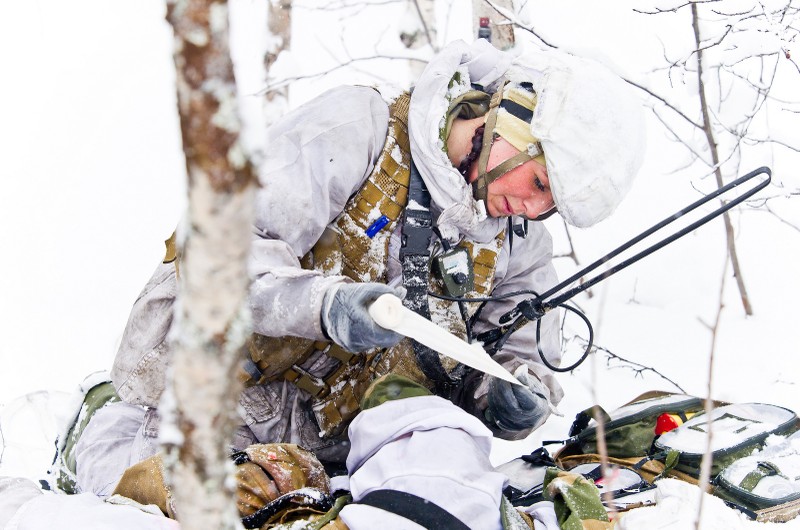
point(525, 190)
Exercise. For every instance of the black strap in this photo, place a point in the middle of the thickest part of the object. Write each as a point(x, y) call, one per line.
point(305, 497)
point(421, 511)
point(414, 257)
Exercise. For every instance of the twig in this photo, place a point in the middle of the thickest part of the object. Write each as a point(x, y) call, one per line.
point(781, 219)
point(514, 21)
point(288, 80)
point(707, 461)
point(669, 105)
point(675, 9)
point(637, 368)
point(424, 25)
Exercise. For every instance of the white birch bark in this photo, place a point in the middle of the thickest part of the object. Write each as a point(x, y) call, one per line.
point(502, 31)
point(279, 26)
point(212, 316)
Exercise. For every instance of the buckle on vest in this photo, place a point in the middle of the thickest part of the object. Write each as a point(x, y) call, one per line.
point(307, 382)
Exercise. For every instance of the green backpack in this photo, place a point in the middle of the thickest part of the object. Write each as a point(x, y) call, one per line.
point(766, 482)
point(631, 429)
point(664, 435)
point(738, 430)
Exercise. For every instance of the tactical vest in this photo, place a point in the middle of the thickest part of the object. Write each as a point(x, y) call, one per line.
point(356, 245)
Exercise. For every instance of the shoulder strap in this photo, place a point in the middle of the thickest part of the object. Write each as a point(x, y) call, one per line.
point(421, 511)
point(414, 255)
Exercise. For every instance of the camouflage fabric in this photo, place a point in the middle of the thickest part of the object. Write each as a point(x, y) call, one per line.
point(390, 387)
point(144, 483)
point(577, 501)
point(96, 398)
point(264, 473)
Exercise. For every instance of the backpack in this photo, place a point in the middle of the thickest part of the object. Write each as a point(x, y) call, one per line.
point(768, 481)
point(738, 430)
point(660, 434)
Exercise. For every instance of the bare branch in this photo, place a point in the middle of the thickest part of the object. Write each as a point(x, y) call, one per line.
point(669, 105)
point(678, 138)
point(706, 462)
point(344, 4)
point(675, 9)
point(288, 80)
point(781, 219)
point(516, 23)
point(424, 25)
point(571, 254)
point(735, 14)
point(637, 368)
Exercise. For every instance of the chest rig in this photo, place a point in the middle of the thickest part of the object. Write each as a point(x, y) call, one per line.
point(356, 245)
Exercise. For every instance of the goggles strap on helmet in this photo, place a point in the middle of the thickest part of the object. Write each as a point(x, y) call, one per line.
point(481, 184)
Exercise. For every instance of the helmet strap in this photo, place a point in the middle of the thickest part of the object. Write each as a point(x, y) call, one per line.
point(481, 184)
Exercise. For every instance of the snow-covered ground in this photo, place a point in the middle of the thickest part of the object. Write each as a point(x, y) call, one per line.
point(93, 181)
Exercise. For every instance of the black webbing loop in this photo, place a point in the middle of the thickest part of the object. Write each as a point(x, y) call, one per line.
point(421, 511)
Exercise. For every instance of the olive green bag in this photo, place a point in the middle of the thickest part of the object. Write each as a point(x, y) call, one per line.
point(664, 435)
point(738, 431)
point(766, 482)
point(631, 429)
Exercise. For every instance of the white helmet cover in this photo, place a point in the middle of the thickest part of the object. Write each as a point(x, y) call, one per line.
point(591, 127)
point(587, 119)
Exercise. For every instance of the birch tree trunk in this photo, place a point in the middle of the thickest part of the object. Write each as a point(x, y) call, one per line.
point(502, 31)
point(212, 316)
point(279, 25)
point(418, 29)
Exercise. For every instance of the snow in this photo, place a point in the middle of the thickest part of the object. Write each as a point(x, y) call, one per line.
point(93, 182)
point(781, 451)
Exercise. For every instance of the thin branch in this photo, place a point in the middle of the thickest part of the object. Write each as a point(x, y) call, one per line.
point(288, 80)
point(678, 139)
point(675, 9)
point(665, 102)
point(638, 368)
point(345, 5)
point(516, 23)
point(424, 25)
point(781, 219)
point(706, 462)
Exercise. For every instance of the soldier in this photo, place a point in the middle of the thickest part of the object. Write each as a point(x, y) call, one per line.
point(363, 195)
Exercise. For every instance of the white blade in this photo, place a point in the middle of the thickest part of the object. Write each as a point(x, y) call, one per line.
point(388, 312)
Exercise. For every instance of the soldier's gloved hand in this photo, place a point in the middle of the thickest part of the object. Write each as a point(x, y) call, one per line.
point(254, 488)
point(346, 320)
point(265, 472)
point(515, 407)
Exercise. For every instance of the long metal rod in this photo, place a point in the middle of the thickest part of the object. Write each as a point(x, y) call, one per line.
point(554, 302)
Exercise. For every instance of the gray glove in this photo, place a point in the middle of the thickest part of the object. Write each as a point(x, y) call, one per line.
point(515, 407)
point(346, 320)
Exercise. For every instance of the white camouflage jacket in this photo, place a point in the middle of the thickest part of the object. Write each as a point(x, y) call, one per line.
point(318, 156)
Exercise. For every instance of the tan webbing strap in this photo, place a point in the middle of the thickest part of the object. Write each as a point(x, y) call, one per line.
point(171, 255)
point(385, 193)
point(345, 249)
point(484, 261)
